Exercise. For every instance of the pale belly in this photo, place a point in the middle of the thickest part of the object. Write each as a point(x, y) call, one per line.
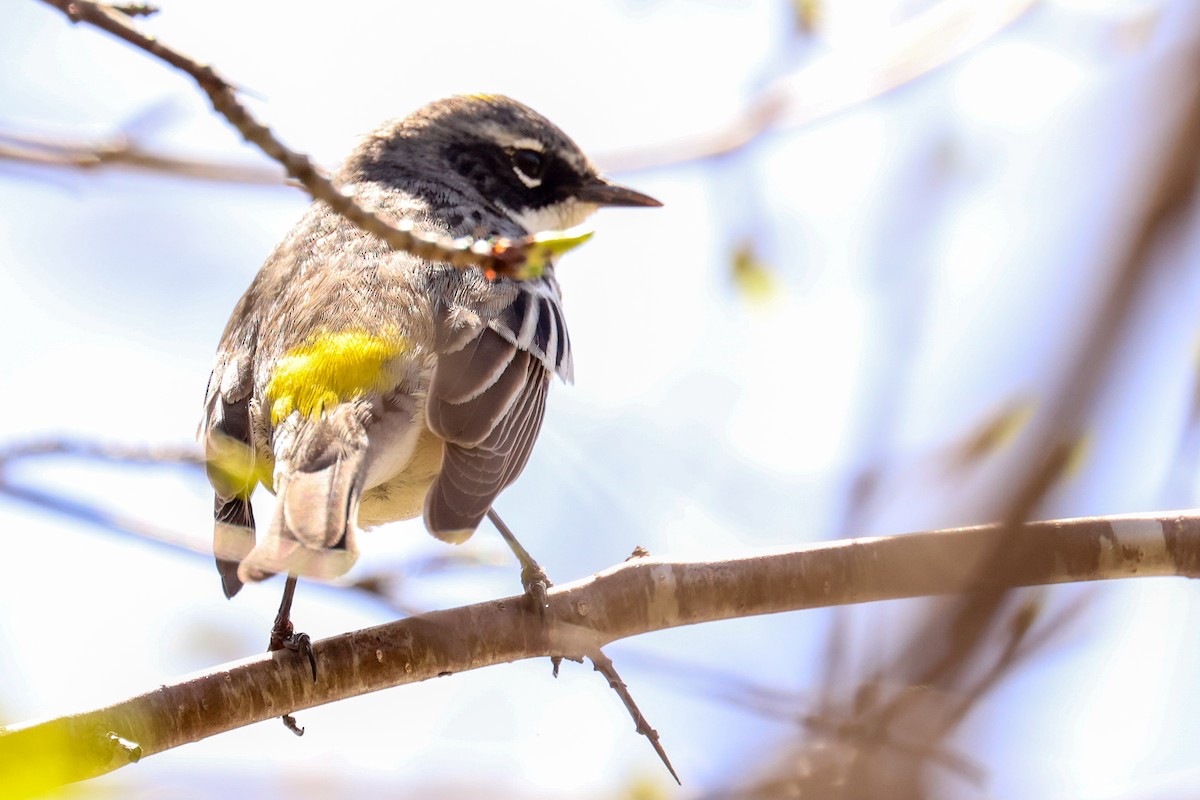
point(401, 495)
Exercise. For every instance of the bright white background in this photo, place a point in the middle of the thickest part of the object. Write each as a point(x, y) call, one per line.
point(931, 256)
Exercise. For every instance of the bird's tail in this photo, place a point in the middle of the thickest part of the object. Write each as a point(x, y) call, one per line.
point(320, 468)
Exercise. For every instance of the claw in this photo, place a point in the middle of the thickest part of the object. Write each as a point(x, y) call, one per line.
point(536, 582)
point(297, 643)
point(306, 648)
point(300, 643)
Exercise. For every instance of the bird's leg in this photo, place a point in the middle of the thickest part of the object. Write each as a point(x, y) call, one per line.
point(533, 577)
point(284, 636)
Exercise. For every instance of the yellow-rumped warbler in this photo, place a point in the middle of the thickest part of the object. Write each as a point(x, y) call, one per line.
point(362, 384)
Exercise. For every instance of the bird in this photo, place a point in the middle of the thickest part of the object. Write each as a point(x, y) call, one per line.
point(362, 384)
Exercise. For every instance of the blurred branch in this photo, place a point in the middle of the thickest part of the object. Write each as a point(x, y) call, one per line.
point(103, 451)
point(385, 585)
point(519, 259)
point(118, 150)
point(933, 681)
point(840, 81)
point(1160, 200)
point(1185, 464)
point(833, 84)
point(638, 596)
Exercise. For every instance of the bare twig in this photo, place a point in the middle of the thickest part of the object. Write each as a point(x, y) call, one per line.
point(103, 451)
point(840, 81)
point(537, 583)
point(831, 85)
point(604, 665)
point(522, 258)
point(382, 585)
point(119, 150)
point(637, 596)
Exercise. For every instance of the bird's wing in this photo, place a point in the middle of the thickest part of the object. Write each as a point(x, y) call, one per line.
point(534, 322)
point(486, 400)
point(230, 457)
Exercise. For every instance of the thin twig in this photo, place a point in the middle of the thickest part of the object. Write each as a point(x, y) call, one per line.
point(833, 84)
point(119, 150)
point(604, 665)
point(522, 258)
point(380, 585)
point(537, 583)
point(120, 452)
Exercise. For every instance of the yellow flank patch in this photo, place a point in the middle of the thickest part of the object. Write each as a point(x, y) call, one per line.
point(332, 368)
point(234, 468)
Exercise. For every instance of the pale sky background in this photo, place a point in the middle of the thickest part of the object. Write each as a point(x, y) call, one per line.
point(933, 253)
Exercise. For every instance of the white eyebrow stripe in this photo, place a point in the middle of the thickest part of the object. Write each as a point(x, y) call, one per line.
point(527, 144)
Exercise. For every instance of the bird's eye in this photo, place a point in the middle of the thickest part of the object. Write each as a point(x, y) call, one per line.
point(529, 164)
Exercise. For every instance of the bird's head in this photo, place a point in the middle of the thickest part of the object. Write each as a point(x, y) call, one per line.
point(494, 150)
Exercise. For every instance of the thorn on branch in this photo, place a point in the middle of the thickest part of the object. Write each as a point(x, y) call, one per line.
point(289, 722)
point(135, 9)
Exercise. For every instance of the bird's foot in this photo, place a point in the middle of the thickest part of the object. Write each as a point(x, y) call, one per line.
point(536, 583)
point(285, 638)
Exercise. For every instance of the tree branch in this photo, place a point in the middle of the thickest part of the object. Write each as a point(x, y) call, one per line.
point(638, 596)
point(828, 86)
point(524, 258)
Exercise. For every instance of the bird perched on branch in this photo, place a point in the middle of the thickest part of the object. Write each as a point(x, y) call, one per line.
point(363, 384)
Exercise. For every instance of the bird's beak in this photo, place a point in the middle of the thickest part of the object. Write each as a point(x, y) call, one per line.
point(603, 192)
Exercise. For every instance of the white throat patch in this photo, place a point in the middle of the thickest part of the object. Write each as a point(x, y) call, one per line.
point(557, 217)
